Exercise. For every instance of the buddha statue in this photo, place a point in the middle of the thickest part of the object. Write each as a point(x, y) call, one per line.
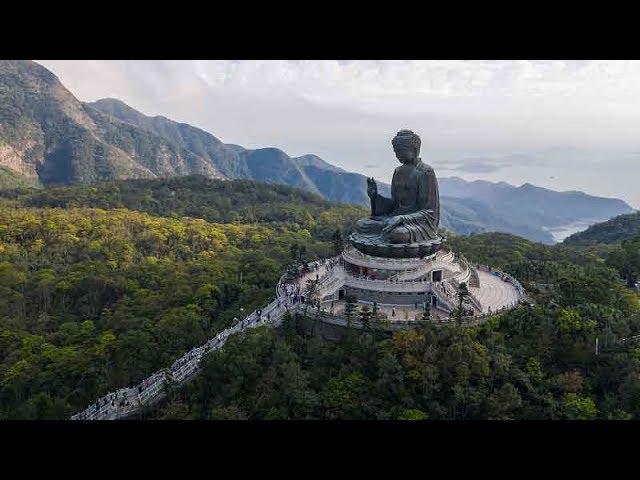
point(406, 224)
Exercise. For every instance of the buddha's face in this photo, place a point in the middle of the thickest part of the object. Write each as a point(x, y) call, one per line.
point(406, 153)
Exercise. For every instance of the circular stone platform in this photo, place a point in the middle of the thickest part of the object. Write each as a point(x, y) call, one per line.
point(401, 288)
point(495, 293)
point(371, 245)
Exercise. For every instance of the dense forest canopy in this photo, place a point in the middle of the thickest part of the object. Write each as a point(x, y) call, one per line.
point(101, 285)
point(92, 299)
point(535, 362)
point(239, 201)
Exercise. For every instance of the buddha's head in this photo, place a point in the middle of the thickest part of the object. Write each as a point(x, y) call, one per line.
point(406, 145)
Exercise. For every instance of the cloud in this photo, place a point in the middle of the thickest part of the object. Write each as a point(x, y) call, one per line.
point(479, 167)
point(347, 111)
point(493, 164)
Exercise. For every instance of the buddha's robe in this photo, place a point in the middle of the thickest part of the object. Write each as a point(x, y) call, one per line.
point(414, 197)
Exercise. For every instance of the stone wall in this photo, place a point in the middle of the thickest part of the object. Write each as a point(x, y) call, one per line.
point(333, 328)
point(309, 325)
point(392, 298)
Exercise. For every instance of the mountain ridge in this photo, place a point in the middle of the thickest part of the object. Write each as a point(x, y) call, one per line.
point(47, 135)
point(503, 207)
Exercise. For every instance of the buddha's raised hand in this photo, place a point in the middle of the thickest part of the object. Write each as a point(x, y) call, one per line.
point(372, 188)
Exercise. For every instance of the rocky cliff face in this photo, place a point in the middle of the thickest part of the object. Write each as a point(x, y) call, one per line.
point(47, 134)
point(182, 136)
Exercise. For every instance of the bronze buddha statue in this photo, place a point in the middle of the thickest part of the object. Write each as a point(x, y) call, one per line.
point(405, 225)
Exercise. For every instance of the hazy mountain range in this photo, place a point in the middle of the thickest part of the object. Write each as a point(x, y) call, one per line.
point(47, 137)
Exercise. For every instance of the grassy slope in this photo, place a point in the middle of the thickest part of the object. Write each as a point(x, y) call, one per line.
point(94, 295)
point(10, 180)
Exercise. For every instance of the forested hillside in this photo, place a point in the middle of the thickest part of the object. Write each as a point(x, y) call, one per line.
point(535, 362)
point(10, 179)
point(617, 229)
point(49, 137)
point(92, 299)
point(240, 201)
point(101, 285)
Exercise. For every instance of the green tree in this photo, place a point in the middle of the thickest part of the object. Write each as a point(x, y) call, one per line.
point(412, 414)
point(463, 293)
point(365, 316)
point(577, 407)
point(350, 308)
point(504, 404)
point(338, 242)
point(294, 249)
point(626, 259)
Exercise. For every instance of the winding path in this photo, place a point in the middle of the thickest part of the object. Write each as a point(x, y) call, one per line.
point(128, 401)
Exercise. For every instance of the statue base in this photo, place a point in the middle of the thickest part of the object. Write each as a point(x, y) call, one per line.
point(373, 245)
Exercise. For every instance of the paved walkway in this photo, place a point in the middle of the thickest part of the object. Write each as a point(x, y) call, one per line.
point(494, 292)
point(127, 401)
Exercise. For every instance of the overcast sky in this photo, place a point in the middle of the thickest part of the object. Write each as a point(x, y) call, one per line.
point(565, 125)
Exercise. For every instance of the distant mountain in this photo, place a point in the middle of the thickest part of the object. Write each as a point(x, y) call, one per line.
point(617, 229)
point(467, 216)
point(529, 204)
point(271, 165)
point(198, 142)
point(468, 207)
point(47, 136)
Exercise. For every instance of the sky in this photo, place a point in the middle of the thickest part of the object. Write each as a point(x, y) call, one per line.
point(564, 125)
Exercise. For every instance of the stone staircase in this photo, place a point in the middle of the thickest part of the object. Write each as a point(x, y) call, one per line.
point(128, 401)
point(439, 262)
